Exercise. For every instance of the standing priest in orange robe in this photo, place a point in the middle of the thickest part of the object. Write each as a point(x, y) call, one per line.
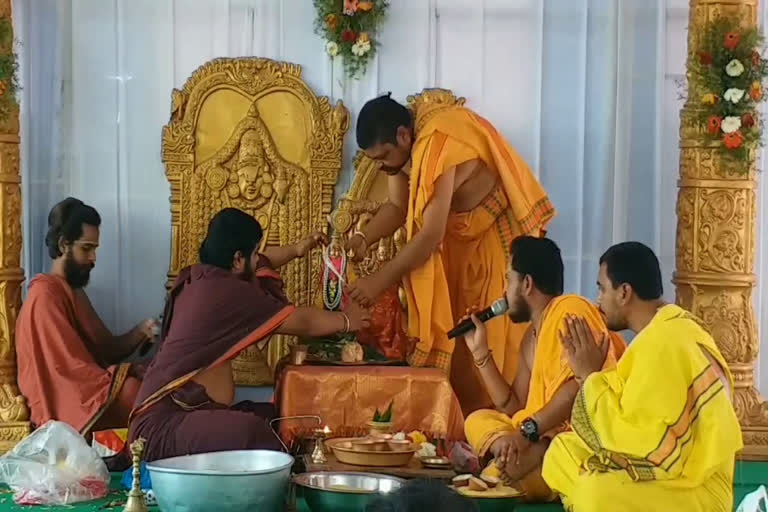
point(463, 194)
point(69, 362)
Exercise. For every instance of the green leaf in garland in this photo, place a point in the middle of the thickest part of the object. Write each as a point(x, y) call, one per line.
point(8, 70)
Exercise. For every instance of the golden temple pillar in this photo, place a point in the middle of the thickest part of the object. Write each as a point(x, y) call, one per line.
point(716, 231)
point(13, 408)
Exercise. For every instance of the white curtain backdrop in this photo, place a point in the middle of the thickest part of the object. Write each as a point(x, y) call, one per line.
point(584, 89)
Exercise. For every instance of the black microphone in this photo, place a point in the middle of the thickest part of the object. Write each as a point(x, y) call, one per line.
point(497, 308)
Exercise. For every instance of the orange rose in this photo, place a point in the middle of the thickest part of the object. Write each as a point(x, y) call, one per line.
point(363, 38)
point(713, 125)
point(351, 6)
point(365, 6)
point(332, 22)
point(733, 140)
point(747, 120)
point(732, 40)
point(756, 91)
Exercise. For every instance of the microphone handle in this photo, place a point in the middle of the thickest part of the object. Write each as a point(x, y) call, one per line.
point(467, 325)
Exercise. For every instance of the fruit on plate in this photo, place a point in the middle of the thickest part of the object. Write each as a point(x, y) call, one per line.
point(461, 480)
point(491, 481)
point(476, 484)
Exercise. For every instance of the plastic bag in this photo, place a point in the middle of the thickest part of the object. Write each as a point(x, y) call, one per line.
point(54, 466)
point(756, 501)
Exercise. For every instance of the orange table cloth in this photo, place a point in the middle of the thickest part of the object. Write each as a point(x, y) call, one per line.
point(346, 397)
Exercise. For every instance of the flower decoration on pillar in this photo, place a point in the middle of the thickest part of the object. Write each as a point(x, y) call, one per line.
point(350, 29)
point(726, 74)
point(8, 70)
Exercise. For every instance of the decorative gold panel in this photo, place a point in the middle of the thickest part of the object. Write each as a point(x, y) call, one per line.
point(249, 133)
point(716, 232)
point(14, 414)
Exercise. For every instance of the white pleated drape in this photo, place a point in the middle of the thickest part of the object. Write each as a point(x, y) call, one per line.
point(584, 89)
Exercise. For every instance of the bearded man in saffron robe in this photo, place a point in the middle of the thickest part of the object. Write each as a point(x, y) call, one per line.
point(70, 364)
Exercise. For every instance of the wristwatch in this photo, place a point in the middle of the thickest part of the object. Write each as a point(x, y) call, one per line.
point(530, 430)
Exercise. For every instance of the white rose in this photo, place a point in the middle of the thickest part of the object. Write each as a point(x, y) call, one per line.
point(730, 124)
point(734, 68)
point(332, 48)
point(734, 95)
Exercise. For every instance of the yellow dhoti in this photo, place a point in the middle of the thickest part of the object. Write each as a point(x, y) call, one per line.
point(657, 433)
point(615, 490)
point(469, 268)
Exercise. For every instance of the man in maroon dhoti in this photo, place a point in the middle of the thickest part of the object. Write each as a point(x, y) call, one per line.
point(216, 309)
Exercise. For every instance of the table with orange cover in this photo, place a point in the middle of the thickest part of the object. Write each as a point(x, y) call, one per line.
point(346, 397)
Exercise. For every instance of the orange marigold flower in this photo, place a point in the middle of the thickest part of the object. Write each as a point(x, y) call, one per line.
point(733, 140)
point(756, 91)
point(332, 22)
point(747, 120)
point(732, 40)
point(713, 125)
point(365, 6)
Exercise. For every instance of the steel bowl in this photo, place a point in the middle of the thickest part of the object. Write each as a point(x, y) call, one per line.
point(343, 492)
point(235, 481)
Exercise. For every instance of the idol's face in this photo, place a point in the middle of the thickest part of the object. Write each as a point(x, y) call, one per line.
point(611, 301)
point(80, 257)
point(393, 157)
point(519, 310)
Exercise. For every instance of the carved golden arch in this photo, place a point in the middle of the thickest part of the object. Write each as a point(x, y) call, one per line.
point(249, 133)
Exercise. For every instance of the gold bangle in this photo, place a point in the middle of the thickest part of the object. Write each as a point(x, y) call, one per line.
point(483, 362)
point(347, 323)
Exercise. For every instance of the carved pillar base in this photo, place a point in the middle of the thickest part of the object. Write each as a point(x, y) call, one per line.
point(715, 251)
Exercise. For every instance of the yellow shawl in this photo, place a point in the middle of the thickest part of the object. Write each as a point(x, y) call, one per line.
point(663, 413)
point(550, 371)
